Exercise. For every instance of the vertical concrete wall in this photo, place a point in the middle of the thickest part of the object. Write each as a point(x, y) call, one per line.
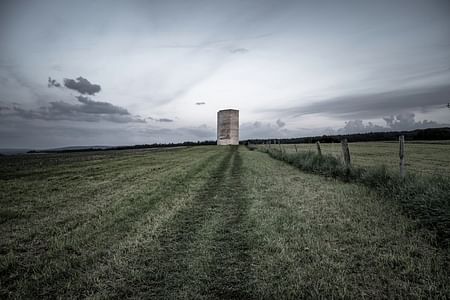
point(228, 127)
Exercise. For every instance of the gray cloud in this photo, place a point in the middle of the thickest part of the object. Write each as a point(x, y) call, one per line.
point(200, 103)
point(180, 134)
point(202, 132)
point(164, 120)
point(88, 111)
point(358, 126)
point(85, 110)
point(82, 85)
point(400, 122)
point(97, 107)
point(377, 105)
point(280, 123)
point(266, 130)
point(41, 134)
point(258, 129)
point(406, 121)
point(53, 83)
point(239, 50)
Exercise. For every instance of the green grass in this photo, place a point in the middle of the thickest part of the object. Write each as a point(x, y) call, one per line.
point(422, 157)
point(203, 222)
point(424, 198)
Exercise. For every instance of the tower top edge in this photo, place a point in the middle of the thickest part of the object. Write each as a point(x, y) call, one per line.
point(230, 109)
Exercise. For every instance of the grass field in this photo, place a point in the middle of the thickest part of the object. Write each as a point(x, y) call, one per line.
point(200, 223)
point(422, 157)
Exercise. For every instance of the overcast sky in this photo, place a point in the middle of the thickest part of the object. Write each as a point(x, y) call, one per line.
point(133, 72)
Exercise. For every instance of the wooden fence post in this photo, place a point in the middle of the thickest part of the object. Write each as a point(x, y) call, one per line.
point(295, 145)
point(279, 144)
point(319, 151)
point(346, 153)
point(402, 156)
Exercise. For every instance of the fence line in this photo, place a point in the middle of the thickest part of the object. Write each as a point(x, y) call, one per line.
point(402, 156)
point(344, 153)
point(319, 151)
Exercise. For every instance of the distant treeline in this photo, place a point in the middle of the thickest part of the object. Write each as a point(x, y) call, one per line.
point(414, 135)
point(134, 147)
point(418, 134)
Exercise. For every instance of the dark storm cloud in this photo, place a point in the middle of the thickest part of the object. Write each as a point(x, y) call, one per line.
point(377, 105)
point(82, 85)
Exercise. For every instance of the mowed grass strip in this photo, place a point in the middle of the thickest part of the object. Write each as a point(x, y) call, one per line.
point(46, 257)
point(201, 252)
point(318, 237)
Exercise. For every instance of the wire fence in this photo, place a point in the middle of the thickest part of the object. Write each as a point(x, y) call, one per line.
point(418, 157)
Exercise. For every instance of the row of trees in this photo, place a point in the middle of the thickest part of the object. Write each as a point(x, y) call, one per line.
point(418, 134)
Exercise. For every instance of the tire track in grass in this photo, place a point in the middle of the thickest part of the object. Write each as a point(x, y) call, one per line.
point(151, 263)
point(169, 272)
point(229, 261)
point(202, 251)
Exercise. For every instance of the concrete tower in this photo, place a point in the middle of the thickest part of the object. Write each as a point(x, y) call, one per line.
point(228, 127)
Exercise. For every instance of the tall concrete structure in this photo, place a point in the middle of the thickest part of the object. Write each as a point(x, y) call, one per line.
point(228, 127)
